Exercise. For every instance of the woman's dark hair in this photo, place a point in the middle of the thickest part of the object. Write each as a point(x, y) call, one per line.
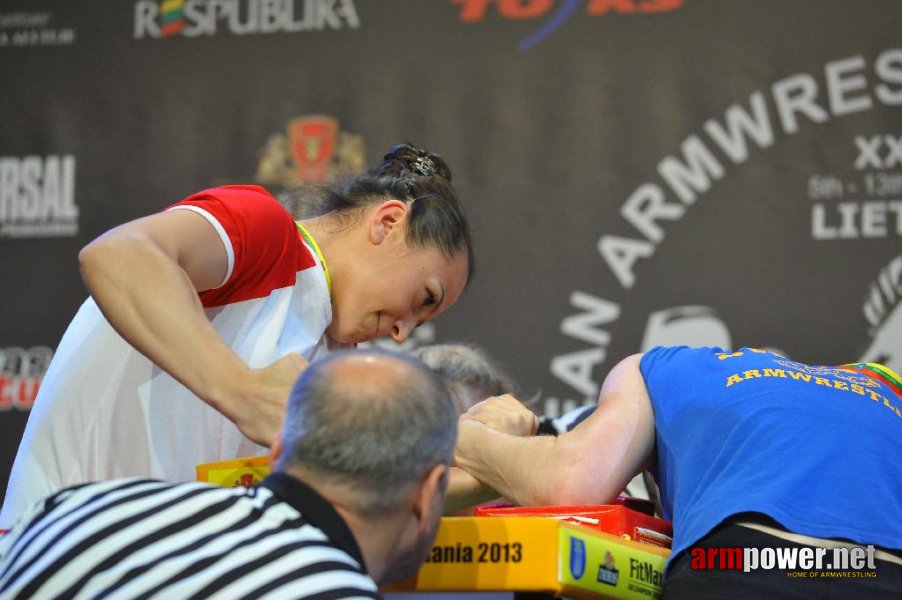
point(436, 218)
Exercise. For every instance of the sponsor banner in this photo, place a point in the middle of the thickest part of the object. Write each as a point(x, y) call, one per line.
point(37, 196)
point(157, 19)
point(537, 554)
point(615, 570)
point(21, 373)
point(34, 28)
point(554, 14)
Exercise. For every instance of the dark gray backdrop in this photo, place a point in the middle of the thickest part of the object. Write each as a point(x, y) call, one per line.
point(637, 171)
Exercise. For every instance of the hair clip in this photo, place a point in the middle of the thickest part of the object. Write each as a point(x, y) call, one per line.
point(423, 166)
point(412, 201)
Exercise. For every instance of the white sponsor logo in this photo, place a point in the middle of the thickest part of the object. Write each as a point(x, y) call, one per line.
point(21, 372)
point(194, 18)
point(33, 29)
point(37, 197)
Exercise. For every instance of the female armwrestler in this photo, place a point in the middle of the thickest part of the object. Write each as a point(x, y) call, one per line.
point(201, 317)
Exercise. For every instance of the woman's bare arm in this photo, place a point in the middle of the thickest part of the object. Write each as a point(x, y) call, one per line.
point(145, 276)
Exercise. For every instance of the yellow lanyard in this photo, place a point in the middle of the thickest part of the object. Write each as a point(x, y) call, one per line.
point(319, 253)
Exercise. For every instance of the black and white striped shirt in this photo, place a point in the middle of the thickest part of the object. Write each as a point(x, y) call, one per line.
point(140, 538)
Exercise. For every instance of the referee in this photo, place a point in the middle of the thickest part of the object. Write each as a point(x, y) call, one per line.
point(353, 502)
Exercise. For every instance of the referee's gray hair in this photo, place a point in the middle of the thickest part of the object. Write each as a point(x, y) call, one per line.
point(378, 436)
point(468, 371)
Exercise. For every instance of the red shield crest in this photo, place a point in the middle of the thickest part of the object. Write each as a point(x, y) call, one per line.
point(313, 141)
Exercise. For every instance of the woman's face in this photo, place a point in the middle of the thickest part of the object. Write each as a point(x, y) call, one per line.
point(391, 288)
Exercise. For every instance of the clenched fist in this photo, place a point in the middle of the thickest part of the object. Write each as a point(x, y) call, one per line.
point(504, 413)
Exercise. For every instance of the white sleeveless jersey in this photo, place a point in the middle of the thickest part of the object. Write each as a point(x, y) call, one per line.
point(104, 410)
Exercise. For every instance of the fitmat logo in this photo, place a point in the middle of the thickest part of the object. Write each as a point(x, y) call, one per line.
point(195, 18)
point(37, 197)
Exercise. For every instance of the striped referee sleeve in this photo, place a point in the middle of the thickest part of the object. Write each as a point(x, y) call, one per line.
point(143, 539)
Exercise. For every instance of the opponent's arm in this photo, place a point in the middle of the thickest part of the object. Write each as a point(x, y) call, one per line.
point(507, 414)
point(589, 465)
point(144, 276)
point(465, 491)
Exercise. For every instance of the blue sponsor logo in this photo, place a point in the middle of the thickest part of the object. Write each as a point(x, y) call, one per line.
point(577, 557)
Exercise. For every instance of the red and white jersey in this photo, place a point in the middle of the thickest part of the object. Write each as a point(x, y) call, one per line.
point(104, 410)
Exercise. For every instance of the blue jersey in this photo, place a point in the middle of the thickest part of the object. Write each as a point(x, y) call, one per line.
point(818, 449)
